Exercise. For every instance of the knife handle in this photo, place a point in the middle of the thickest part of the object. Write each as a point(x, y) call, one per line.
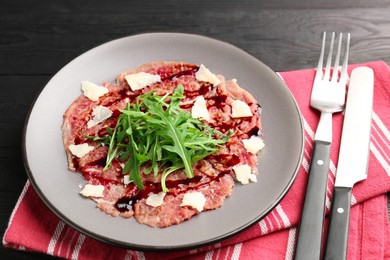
point(312, 220)
point(337, 240)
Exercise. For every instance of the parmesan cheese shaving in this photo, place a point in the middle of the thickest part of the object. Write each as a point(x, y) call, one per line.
point(240, 109)
point(254, 144)
point(99, 113)
point(199, 109)
point(80, 150)
point(204, 74)
point(156, 200)
point(140, 80)
point(90, 190)
point(92, 91)
point(243, 174)
point(194, 199)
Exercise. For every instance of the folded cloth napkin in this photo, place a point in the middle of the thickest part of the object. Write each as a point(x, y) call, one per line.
point(33, 227)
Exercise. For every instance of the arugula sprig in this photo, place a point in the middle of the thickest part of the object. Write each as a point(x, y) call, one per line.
point(155, 132)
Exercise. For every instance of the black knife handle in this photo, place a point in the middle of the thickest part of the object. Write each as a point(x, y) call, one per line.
point(337, 239)
point(312, 221)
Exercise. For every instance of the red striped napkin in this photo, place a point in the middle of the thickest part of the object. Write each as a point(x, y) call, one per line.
point(33, 227)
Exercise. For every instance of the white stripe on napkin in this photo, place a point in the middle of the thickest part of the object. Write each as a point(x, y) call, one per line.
point(55, 236)
point(76, 250)
point(209, 255)
point(282, 214)
point(70, 249)
point(263, 227)
point(236, 251)
point(381, 137)
point(291, 243)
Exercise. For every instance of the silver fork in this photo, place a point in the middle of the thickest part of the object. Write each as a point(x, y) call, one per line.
point(328, 96)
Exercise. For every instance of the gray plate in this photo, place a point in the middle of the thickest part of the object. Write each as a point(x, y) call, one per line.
point(59, 188)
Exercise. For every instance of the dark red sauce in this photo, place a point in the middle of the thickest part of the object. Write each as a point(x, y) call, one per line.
point(78, 140)
point(254, 131)
point(76, 164)
point(175, 187)
point(102, 132)
point(125, 92)
point(98, 162)
point(219, 101)
point(101, 180)
point(116, 113)
point(225, 159)
point(125, 204)
point(204, 89)
point(169, 75)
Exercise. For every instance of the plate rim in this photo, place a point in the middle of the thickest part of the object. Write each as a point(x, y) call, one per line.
point(147, 248)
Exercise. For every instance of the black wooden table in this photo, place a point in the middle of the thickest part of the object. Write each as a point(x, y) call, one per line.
point(37, 38)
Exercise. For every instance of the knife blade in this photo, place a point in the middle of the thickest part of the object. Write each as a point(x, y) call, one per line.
point(353, 158)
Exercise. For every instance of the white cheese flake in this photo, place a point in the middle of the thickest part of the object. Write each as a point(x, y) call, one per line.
point(92, 91)
point(156, 200)
point(80, 150)
point(254, 144)
point(199, 109)
point(142, 79)
point(126, 180)
point(240, 109)
point(99, 113)
point(194, 199)
point(204, 74)
point(92, 191)
point(243, 174)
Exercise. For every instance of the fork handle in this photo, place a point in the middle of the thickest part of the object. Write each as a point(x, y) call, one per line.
point(312, 220)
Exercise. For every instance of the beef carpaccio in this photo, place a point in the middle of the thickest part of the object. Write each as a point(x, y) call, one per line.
point(221, 104)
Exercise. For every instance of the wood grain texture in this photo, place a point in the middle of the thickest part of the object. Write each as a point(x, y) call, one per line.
point(37, 38)
point(41, 42)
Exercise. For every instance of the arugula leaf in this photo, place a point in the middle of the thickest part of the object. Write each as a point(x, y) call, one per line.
point(155, 133)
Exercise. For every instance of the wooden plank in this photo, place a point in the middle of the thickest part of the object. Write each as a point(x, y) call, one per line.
point(16, 98)
point(145, 6)
point(41, 42)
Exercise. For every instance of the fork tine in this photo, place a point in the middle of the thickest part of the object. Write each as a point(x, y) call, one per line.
point(343, 75)
point(329, 60)
point(321, 60)
point(337, 60)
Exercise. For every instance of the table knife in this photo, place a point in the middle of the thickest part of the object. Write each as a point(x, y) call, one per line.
point(353, 158)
